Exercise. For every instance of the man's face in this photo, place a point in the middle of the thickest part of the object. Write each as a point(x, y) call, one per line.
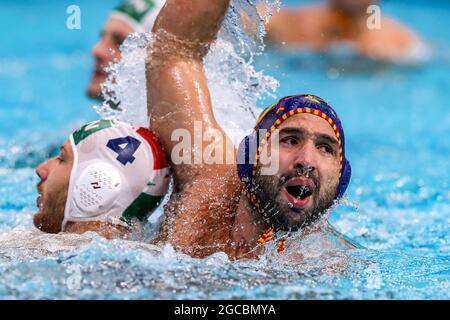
point(54, 174)
point(107, 51)
point(308, 175)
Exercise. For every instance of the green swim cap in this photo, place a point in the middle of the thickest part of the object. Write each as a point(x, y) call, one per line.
point(139, 14)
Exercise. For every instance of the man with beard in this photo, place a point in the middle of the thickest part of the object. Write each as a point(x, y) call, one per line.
point(108, 177)
point(218, 206)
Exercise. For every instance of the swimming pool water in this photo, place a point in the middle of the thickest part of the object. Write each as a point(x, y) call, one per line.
point(397, 121)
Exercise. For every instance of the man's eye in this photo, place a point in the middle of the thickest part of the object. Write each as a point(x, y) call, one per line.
point(289, 140)
point(118, 39)
point(60, 159)
point(326, 148)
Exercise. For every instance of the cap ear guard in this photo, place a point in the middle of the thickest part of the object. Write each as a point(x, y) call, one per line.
point(345, 179)
point(95, 190)
point(246, 157)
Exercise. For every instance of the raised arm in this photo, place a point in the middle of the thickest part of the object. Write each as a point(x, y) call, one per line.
point(196, 21)
point(199, 215)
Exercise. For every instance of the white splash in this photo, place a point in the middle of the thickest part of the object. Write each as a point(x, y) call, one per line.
point(234, 83)
point(23, 243)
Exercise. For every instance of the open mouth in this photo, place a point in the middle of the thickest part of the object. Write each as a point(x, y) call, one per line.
point(99, 72)
point(39, 202)
point(300, 192)
point(39, 199)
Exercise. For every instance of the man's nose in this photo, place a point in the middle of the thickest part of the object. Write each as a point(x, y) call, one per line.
point(101, 50)
point(305, 157)
point(43, 170)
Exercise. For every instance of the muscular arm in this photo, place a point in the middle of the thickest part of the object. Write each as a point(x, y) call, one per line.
point(200, 213)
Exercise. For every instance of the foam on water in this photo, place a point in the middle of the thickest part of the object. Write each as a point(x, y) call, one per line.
point(89, 267)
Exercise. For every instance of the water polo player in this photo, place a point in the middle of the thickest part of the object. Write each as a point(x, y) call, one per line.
point(221, 206)
point(130, 16)
point(108, 177)
point(356, 25)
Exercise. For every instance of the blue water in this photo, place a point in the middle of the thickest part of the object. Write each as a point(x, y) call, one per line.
point(397, 123)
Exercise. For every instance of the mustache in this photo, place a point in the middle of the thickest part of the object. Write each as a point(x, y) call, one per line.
point(100, 65)
point(305, 172)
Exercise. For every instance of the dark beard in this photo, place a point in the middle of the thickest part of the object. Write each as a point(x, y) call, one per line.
point(277, 212)
point(51, 216)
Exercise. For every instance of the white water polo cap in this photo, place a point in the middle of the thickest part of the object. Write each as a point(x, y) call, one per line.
point(119, 173)
point(138, 14)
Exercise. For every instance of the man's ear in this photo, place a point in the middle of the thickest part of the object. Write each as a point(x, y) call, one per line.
point(345, 179)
